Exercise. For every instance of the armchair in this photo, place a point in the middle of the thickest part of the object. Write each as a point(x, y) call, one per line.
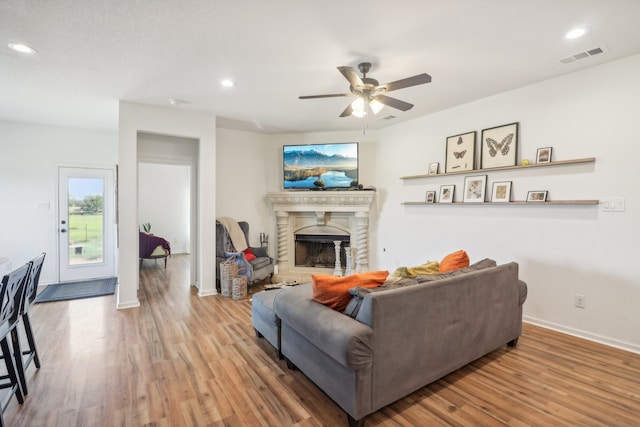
point(261, 267)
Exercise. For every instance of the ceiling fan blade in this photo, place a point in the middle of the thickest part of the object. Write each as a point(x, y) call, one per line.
point(351, 74)
point(393, 102)
point(347, 111)
point(408, 82)
point(332, 95)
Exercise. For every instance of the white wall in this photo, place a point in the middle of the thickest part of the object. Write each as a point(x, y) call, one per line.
point(29, 159)
point(562, 251)
point(134, 120)
point(164, 202)
point(245, 172)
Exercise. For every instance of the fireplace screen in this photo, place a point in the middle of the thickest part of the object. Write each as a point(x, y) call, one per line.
point(318, 250)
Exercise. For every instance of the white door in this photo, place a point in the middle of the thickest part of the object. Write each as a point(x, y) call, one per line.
point(86, 223)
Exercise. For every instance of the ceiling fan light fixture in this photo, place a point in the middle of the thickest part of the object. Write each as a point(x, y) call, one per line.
point(359, 108)
point(376, 106)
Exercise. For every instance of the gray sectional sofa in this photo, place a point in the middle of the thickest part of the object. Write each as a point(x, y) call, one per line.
point(401, 338)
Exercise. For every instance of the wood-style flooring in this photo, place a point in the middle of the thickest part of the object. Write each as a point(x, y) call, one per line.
point(182, 360)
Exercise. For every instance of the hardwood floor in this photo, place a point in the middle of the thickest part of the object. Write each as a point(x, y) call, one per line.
point(182, 360)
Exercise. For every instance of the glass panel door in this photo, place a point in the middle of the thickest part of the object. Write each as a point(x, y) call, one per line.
point(86, 223)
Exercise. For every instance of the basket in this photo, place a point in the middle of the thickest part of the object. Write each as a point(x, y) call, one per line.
point(228, 271)
point(239, 286)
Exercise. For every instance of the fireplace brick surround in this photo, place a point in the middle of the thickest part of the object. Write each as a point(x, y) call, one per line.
point(329, 212)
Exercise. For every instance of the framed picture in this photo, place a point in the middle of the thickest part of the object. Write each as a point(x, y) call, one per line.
point(537, 196)
point(543, 155)
point(446, 193)
point(461, 152)
point(433, 168)
point(474, 189)
point(501, 192)
point(431, 197)
point(499, 146)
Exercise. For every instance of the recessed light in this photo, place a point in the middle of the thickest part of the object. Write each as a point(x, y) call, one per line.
point(22, 48)
point(227, 83)
point(575, 33)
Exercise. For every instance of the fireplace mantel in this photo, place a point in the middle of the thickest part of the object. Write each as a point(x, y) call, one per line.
point(309, 201)
point(343, 209)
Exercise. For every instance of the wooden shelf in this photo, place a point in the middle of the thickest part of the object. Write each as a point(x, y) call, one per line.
point(519, 202)
point(503, 168)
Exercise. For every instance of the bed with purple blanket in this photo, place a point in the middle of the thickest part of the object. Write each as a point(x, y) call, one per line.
point(153, 247)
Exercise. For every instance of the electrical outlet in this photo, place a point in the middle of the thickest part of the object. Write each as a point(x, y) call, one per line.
point(612, 205)
point(580, 301)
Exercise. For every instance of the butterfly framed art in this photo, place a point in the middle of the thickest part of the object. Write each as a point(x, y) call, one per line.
point(499, 146)
point(461, 153)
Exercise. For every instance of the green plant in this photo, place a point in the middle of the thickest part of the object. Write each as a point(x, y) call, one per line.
point(146, 227)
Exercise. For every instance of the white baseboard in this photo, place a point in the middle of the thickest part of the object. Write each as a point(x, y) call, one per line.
point(583, 334)
point(207, 293)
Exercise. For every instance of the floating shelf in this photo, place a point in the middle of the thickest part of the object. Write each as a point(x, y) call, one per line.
point(504, 168)
point(520, 203)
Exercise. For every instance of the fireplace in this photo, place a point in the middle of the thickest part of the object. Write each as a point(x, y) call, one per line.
point(319, 250)
point(315, 225)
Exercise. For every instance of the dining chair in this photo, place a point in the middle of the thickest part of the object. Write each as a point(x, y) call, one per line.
point(29, 296)
point(11, 293)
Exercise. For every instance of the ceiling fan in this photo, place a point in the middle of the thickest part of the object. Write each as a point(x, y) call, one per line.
point(370, 93)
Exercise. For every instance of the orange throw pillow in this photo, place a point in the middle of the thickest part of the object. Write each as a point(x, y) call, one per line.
point(333, 291)
point(454, 261)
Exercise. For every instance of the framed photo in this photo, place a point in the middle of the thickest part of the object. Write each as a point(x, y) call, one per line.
point(501, 192)
point(499, 146)
point(431, 197)
point(474, 189)
point(446, 193)
point(543, 155)
point(537, 196)
point(433, 168)
point(461, 153)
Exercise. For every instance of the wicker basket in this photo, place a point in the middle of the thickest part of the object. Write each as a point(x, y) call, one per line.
point(239, 286)
point(228, 271)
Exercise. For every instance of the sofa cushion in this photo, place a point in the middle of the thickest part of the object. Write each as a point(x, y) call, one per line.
point(358, 293)
point(260, 262)
point(333, 291)
point(454, 261)
point(479, 265)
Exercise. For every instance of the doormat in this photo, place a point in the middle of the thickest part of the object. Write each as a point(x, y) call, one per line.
point(78, 290)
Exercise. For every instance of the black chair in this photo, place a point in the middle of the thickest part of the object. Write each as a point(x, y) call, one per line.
point(29, 296)
point(11, 294)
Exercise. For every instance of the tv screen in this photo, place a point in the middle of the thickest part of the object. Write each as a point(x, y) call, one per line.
point(320, 166)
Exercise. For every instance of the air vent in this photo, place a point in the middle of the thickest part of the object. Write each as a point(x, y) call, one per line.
point(389, 118)
point(582, 55)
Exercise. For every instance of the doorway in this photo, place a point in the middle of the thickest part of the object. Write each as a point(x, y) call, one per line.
point(167, 191)
point(164, 202)
point(85, 223)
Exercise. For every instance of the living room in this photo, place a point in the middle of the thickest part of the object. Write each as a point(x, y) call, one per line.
point(562, 251)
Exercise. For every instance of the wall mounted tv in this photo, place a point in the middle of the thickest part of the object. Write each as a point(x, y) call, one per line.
point(320, 166)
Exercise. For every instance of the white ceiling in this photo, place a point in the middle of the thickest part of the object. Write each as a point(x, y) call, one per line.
point(91, 54)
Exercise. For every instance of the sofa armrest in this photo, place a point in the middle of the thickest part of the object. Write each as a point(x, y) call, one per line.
point(347, 341)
